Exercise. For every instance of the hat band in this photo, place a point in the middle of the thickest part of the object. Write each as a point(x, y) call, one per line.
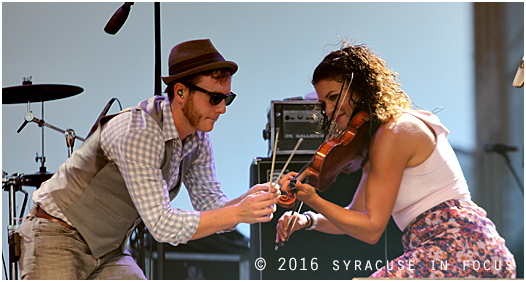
point(195, 62)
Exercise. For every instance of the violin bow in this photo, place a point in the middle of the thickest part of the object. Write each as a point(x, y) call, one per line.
point(273, 161)
point(290, 158)
point(281, 173)
point(339, 105)
point(286, 163)
point(281, 244)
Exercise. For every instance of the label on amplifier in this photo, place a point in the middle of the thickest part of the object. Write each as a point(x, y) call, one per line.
point(300, 135)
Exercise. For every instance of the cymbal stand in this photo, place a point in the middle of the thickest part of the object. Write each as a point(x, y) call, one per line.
point(43, 158)
point(69, 134)
point(12, 185)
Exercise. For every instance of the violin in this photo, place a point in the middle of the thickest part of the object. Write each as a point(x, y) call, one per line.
point(339, 154)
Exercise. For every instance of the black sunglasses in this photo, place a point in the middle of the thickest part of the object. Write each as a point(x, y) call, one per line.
point(215, 98)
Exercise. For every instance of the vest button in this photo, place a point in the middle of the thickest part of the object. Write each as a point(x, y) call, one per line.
point(116, 245)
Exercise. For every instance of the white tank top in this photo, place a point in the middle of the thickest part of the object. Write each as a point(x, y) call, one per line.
point(439, 178)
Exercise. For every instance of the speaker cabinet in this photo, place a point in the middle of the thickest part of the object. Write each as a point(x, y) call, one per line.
point(312, 254)
point(202, 266)
point(220, 256)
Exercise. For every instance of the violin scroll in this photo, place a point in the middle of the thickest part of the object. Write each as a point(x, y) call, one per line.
point(288, 199)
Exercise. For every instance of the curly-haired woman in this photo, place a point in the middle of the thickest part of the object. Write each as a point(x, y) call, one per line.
point(410, 172)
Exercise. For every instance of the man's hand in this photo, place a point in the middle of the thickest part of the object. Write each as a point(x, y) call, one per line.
point(263, 187)
point(258, 205)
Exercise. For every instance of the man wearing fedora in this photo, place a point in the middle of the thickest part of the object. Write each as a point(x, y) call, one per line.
point(130, 169)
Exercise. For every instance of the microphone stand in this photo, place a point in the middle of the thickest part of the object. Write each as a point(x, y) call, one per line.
point(157, 12)
point(513, 172)
point(501, 149)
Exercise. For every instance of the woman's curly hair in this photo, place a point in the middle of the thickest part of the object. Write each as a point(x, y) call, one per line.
point(373, 83)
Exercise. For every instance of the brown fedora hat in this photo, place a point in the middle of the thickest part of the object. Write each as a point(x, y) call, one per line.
point(193, 57)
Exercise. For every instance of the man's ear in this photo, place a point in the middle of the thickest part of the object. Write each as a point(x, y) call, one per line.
point(179, 92)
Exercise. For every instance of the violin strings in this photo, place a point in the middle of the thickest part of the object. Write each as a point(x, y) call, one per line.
point(273, 160)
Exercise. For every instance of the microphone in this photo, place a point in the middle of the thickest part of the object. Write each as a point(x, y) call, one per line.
point(118, 19)
point(498, 148)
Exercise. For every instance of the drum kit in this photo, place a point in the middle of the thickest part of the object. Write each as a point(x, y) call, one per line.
point(28, 93)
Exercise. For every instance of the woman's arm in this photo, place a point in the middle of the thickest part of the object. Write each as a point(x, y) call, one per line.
point(396, 146)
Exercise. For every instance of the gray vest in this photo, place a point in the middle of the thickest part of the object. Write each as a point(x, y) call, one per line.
point(94, 196)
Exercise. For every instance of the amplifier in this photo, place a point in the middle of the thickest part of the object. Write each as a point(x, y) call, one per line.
point(294, 119)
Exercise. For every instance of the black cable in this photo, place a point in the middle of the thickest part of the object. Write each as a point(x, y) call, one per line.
point(103, 113)
point(5, 269)
point(120, 106)
point(24, 204)
point(150, 269)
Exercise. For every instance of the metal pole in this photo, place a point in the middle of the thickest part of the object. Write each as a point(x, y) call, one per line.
point(157, 79)
point(13, 236)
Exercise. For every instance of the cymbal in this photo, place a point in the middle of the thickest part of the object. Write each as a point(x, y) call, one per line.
point(38, 93)
point(35, 179)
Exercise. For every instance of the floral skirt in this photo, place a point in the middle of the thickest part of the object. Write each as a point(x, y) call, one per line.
point(454, 239)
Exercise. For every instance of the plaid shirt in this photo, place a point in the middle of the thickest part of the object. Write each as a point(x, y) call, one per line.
point(134, 141)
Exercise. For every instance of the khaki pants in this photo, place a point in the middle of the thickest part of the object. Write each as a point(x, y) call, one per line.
point(52, 251)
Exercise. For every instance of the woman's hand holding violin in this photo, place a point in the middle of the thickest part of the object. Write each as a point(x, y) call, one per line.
point(284, 181)
point(306, 193)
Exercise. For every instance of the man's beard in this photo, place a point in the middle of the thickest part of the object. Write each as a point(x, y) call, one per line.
point(190, 112)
